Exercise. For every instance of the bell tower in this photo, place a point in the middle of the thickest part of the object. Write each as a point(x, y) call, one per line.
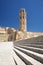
point(23, 20)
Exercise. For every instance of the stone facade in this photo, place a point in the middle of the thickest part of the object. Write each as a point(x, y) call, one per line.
point(5, 33)
point(11, 34)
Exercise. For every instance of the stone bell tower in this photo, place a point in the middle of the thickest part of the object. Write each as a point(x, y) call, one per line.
point(23, 20)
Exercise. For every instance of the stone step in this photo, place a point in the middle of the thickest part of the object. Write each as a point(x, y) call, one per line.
point(34, 55)
point(38, 50)
point(22, 58)
point(17, 60)
point(36, 46)
point(30, 43)
point(25, 56)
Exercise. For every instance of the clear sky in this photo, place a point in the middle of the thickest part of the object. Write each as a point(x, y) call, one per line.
point(9, 14)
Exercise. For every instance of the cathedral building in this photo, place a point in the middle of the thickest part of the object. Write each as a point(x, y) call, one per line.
point(11, 34)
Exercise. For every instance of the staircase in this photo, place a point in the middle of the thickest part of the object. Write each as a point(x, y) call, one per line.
point(28, 53)
point(21, 53)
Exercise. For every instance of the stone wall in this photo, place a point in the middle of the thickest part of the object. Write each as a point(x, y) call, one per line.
point(3, 37)
point(34, 34)
point(10, 34)
point(5, 33)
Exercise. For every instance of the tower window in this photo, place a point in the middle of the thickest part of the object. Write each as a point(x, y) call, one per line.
point(20, 17)
point(23, 17)
point(23, 10)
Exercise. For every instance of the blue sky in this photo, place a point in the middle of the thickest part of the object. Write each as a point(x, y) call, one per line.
point(9, 14)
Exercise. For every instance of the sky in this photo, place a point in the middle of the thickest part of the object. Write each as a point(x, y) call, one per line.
point(9, 14)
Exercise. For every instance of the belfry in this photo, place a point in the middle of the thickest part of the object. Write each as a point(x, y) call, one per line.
point(23, 20)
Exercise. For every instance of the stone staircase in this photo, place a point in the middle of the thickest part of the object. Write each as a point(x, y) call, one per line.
point(21, 53)
point(28, 53)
